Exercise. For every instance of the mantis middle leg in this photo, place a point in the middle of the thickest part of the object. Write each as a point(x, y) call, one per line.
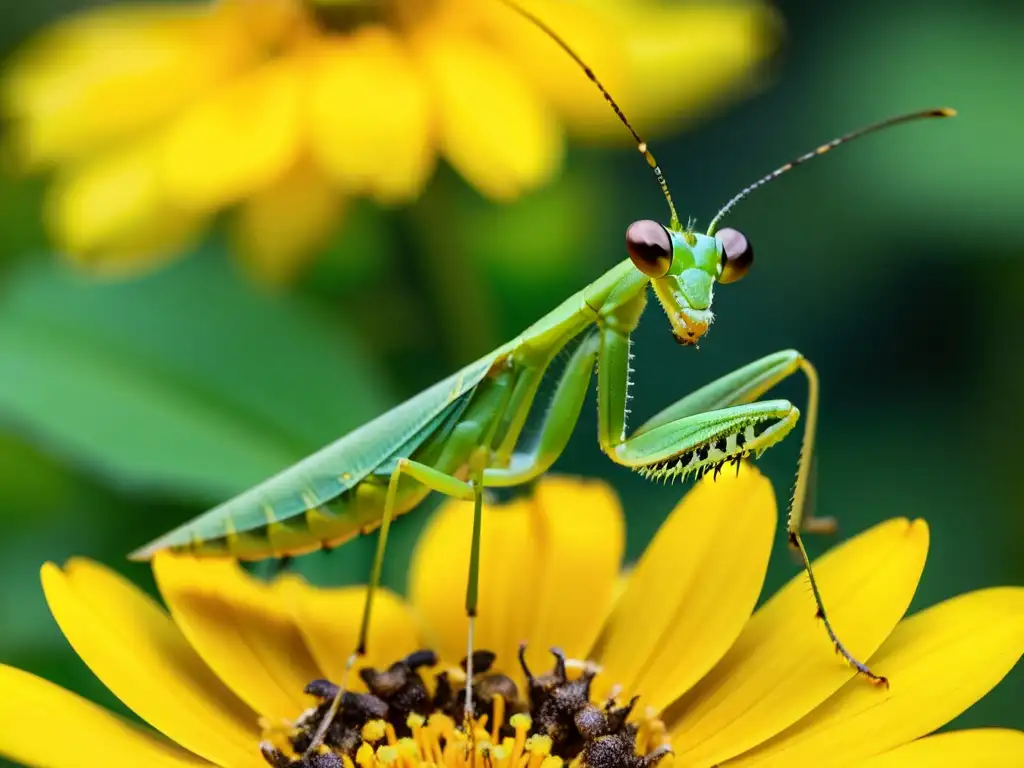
point(437, 481)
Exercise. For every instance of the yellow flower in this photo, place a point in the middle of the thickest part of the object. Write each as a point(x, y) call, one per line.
point(157, 117)
point(719, 684)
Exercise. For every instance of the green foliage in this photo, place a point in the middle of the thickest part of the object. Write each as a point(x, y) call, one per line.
point(185, 381)
point(936, 54)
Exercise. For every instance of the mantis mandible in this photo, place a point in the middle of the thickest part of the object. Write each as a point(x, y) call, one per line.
point(461, 435)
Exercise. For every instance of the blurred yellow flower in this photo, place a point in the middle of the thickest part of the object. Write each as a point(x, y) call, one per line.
point(224, 673)
point(157, 117)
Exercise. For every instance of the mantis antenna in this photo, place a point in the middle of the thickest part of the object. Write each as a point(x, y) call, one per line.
point(888, 123)
point(640, 143)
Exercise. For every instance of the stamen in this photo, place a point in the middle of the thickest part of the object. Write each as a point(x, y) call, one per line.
point(409, 755)
point(539, 748)
point(522, 724)
point(499, 716)
point(365, 756)
point(374, 731)
point(499, 755)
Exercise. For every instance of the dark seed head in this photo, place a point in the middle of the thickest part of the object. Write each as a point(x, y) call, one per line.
point(650, 247)
point(619, 751)
point(274, 756)
point(401, 688)
point(325, 760)
point(591, 722)
point(324, 690)
point(490, 686)
point(418, 659)
point(737, 254)
point(482, 661)
point(614, 751)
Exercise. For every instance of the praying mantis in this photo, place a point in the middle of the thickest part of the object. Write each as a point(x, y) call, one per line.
point(462, 435)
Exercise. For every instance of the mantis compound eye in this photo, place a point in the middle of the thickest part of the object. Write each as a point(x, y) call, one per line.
point(737, 255)
point(649, 247)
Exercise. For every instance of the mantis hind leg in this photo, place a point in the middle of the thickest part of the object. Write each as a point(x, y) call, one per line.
point(433, 479)
point(683, 429)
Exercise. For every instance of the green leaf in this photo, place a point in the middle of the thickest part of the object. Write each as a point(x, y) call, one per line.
point(188, 381)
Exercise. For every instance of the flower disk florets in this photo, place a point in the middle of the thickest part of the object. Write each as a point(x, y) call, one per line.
point(400, 719)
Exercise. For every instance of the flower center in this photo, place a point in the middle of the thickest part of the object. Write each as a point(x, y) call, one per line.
point(402, 722)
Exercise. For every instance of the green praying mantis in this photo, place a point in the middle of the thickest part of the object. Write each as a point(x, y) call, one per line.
point(462, 435)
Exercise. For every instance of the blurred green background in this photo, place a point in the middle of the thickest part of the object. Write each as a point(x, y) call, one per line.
point(895, 265)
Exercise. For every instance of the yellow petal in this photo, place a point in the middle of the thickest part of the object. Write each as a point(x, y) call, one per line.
point(110, 216)
point(579, 530)
point(438, 573)
point(238, 140)
point(549, 567)
point(107, 73)
point(694, 588)
point(981, 748)
point(549, 70)
point(687, 59)
point(370, 120)
point(939, 662)
point(135, 649)
point(782, 665)
point(271, 24)
point(241, 629)
point(280, 228)
point(330, 618)
point(44, 725)
point(495, 129)
point(661, 63)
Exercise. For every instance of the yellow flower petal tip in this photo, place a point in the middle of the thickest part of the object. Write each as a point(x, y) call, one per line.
point(939, 661)
point(99, 736)
point(163, 679)
point(158, 118)
point(782, 665)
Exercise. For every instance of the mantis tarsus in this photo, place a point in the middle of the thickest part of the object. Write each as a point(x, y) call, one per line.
point(462, 435)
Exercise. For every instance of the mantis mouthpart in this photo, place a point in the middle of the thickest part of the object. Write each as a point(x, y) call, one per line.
point(461, 435)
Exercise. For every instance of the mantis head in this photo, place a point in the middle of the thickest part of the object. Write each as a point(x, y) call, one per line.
point(684, 267)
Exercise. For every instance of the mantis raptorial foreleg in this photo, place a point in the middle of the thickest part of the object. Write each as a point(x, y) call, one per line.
point(681, 427)
point(745, 385)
